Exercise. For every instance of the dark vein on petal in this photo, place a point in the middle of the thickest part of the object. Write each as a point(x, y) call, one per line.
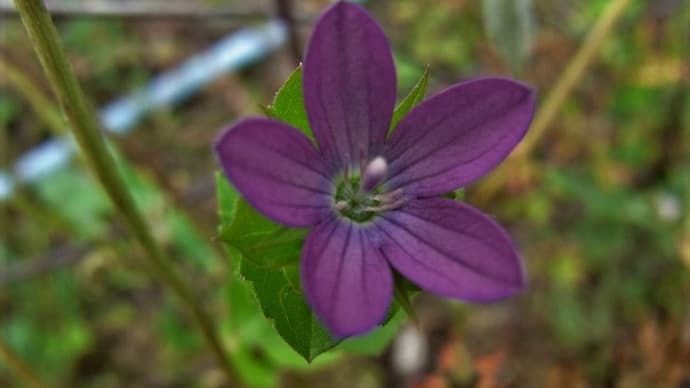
point(342, 46)
point(454, 258)
point(445, 228)
point(290, 157)
point(411, 256)
point(439, 172)
point(490, 117)
point(351, 151)
point(422, 135)
point(265, 175)
point(362, 267)
point(296, 205)
point(442, 147)
point(335, 290)
point(370, 128)
point(335, 153)
point(326, 243)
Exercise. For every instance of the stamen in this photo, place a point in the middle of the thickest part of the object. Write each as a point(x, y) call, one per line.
point(358, 198)
point(390, 196)
point(385, 206)
point(373, 173)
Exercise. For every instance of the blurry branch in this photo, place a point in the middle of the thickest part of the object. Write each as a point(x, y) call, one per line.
point(27, 88)
point(50, 115)
point(19, 367)
point(85, 127)
point(570, 77)
point(519, 160)
point(147, 10)
point(286, 12)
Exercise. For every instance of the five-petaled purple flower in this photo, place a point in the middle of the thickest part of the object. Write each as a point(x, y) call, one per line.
point(375, 202)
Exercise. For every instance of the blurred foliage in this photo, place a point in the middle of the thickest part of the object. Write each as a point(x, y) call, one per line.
point(601, 211)
point(509, 27)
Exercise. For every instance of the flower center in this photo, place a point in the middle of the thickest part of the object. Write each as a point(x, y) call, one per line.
point(360, 197)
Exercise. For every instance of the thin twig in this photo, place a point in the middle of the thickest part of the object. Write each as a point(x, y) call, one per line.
point(42, 106)
point(286, 12)
point(85, 127)
point(571, 75)
point(19, 367)
point(519, 160)
point(49, 113)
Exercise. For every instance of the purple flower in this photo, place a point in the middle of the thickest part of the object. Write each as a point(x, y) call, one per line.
point(374, 203)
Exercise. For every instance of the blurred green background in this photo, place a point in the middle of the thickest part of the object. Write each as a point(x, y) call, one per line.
point(600, 206)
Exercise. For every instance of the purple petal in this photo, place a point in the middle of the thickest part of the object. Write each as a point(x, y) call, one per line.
point(346, 280)
point(451, 249)
point(458, 135)
point(277, 169)
point(349, 83)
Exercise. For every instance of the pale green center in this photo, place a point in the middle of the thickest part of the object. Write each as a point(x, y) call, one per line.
point(353, 203)
point(360, 197)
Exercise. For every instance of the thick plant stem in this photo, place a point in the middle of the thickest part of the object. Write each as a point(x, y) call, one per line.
point(571, 75)
point(16, 365)
point(85, 128)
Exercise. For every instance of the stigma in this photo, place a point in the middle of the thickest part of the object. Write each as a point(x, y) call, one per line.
point(362, 197)
point(373, 173)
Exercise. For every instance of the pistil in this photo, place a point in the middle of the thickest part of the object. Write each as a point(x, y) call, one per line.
point(361, 198)
point(373, 173)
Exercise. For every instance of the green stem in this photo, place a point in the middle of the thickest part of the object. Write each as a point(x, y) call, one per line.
point(36, 97)
point(549, 110)
point(571, 76)
point(19, 367)
point(85, 128)
point(50, 115)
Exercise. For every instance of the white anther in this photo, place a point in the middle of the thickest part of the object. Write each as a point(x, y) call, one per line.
point(377, 166)
point(386, 206)
point(373, 173)
point(391, 196)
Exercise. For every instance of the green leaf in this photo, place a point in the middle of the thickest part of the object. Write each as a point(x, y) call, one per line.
point(509, 26)
point(376, 341)
point(262, 241)
point(258, 239)
point(415, 96)
point(269, 254)
point(227, 198)
point(402, 293)
point(455, 195)
point(250, 330)
point(288, 104)
point(286, 306)
point(252, 371)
